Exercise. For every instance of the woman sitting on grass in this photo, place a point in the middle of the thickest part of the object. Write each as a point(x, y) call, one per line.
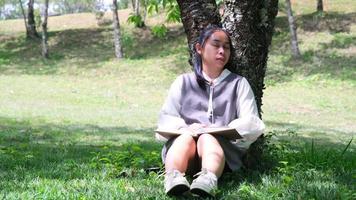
point(212, 96)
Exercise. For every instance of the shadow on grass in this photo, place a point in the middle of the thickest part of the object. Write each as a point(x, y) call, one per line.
point(314, 63)
point(83, 49)
point(80, 47)
point(293, 127)
point(297, 166)
point(66, 151)
point(302, 167)
point(333, 22)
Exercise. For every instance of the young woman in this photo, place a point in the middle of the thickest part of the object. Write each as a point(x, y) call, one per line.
point(212, 96)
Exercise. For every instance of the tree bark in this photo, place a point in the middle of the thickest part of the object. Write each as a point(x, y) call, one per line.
point(293, 31)
point(24, 16)
point(31, 31)
point(137, 7)
point(133, 5)
point(319, 6)
point(45, 53)
point(196, 15)
point(144, 11)
point(117, 35)
point(137, 13)
point(250, 24)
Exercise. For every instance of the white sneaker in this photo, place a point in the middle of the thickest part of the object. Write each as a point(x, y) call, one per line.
point(175, 183)
point(205, 185)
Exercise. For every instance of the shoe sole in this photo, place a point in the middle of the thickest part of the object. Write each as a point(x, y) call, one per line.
point(200, 192)
point(178, 190)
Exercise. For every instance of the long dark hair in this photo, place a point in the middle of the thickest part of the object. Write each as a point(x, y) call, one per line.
point(197, 60)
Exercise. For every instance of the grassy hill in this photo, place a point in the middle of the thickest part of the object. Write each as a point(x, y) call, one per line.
point(80, 125)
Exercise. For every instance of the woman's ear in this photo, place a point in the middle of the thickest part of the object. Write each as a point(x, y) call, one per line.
point(198, 48)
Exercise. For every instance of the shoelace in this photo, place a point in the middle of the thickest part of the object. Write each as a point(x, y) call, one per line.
point(204, 172)
point(174, 172)
point(161, 173)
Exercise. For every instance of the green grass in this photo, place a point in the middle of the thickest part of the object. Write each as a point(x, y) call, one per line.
point(80, 125)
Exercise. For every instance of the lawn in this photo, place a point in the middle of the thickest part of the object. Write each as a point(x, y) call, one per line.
point(80, 125)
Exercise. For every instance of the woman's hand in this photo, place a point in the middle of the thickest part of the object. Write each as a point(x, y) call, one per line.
point(193, 129)
point(197, 126)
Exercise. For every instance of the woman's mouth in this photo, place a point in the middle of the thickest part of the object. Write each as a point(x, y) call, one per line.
point(222, 59)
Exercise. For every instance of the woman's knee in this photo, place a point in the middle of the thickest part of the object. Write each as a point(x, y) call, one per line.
point(185, 142)
point(207, 142)
point(206, 137)
point(186, 138)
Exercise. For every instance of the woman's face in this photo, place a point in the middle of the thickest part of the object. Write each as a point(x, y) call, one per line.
point(216, 51)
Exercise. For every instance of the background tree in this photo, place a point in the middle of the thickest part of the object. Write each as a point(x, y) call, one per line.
point(2, 5)
point(31, 31)
point(173, 14)
point(319, 6)
point(30, 23)
point(117, 34)
point(136, 17)
point(10, 9)
point(24, 15)
point(293, 31)
point(144, 4)
point(45, 53)
point(133, 5)
point(137, 7)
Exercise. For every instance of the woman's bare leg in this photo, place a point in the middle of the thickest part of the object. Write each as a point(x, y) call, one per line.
point(181, 151)
point(211, 154)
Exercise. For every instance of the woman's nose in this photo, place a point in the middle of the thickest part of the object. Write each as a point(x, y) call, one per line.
point(221, 50)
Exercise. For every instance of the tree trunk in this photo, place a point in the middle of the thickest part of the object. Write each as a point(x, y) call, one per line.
point(137, 13)
point(250, 24)
point(31, 31)
point(24, 16)
point(137, 7)
point(117, 35)
point(196, 15)
point(145, 11)
point(133, 5)
point(293, 31)
point(319, 6)
point(44, 32)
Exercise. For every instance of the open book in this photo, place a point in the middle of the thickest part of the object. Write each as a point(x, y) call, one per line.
point(229, 133)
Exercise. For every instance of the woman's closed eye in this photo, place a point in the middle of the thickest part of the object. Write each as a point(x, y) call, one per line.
point(218, 45)
point(215, 44)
